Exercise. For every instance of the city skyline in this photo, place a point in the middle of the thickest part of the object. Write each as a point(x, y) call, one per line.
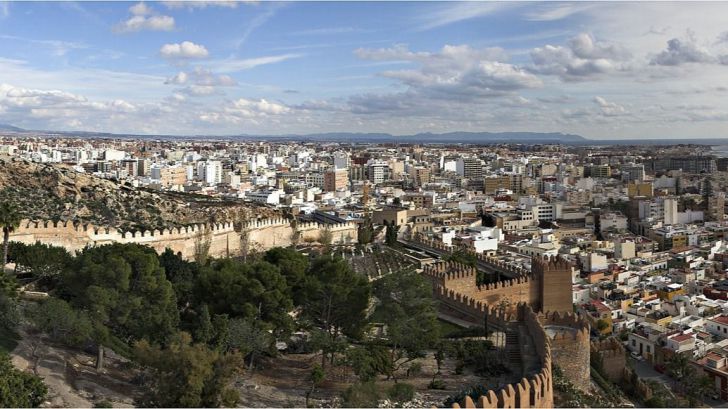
point(600, 70)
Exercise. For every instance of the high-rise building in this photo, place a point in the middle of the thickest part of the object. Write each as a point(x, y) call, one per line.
point(336, 180)
point(341, 160)
point(471, 168)
point(378, 172)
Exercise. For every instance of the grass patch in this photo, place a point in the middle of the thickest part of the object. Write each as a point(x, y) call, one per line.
point(8, 340)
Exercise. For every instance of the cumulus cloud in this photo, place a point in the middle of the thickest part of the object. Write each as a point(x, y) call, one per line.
point(202, 77)
point(680, 52)
point(243, 110)
point(183, 50)
point(609, 108)
point(144, 18)
point(583, 57)
point(456, 72)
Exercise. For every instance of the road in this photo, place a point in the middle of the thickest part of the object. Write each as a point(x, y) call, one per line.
point(645, 371)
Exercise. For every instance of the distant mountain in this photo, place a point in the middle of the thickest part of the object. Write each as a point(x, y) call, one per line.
point(451, 137)
point(10, 128)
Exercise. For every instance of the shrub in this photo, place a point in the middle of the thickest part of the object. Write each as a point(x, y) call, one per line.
point(414, 369)
point(401, 392)
point(361, 395)
point(437, 384)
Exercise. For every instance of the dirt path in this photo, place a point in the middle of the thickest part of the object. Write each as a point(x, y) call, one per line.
point(71, 377)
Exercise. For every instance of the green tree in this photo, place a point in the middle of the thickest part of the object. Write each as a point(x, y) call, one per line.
point(293, 266)
point(44, 262)
point(365, 233)
point(19, 389)
point(369, 361)
point(187, 375)
point(326, 237)
point(679, 367)
point(316, 377)
point(61, 322)
point(390, 237)
point(182, 274)
point(336, 299)
point(248, 339)
point(124, 290)
point(256, 290)
point(9, 220)
point(410, 315)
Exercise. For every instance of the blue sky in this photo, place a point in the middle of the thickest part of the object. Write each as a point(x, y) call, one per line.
point(602, 70)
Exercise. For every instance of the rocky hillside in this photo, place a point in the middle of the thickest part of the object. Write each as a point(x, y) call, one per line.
point(57, 192)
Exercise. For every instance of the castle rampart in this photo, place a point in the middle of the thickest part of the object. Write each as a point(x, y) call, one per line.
point(559, 336)
point(223, 239)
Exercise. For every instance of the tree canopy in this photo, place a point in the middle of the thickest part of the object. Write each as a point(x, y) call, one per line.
point(123, 287)
point(256, 290)
point(19, 389)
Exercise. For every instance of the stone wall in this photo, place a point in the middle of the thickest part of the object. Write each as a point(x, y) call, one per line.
point(561, 336)
point(569, 335)
point(612, 358)
point(536, 391)
point(547, 288)
point(223, 239)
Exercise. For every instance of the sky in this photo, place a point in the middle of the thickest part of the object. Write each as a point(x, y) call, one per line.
point(603, 70)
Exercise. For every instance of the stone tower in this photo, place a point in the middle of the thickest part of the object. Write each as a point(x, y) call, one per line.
point(553, 278)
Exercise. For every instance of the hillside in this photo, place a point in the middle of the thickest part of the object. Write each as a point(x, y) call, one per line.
point(57, 192)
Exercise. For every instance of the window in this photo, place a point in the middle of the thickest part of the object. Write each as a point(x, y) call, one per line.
point(634, 343)
point(648, 349)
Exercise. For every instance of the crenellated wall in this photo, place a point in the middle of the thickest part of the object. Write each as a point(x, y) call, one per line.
point(535, 391)
point(223, 238)
point(561, 337)
point(612, 358)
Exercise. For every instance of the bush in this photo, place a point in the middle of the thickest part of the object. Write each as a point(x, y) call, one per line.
point(437, 384)
point(401, 392)
point(414, 369)
point(361, 395)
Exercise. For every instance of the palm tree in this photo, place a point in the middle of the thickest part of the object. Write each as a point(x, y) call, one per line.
point(9, 220)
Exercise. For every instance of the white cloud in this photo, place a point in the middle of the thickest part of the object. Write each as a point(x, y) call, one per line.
point(236, 64)
point(455, 12)
point(144, 18)
point(680, 52)
point(201, 76)
point(4, 9)
point(183, 50)
point(204, 4)
point(583, 57)
point(609, 108)
point(459, 73)
point(556, 11)
point(140, 9)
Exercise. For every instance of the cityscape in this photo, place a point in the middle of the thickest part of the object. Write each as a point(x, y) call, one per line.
point(363, 204)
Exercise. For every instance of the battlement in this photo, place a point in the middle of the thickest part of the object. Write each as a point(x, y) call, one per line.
point(553, 263)
point(448, 270)
point(46, 226)
point(534, 391)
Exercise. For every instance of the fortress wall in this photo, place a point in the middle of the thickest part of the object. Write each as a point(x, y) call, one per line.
point(535, 391)
point(223, 239)
point(561, 337)
point(570, 346)
point(612, 356)
point(267, 237)
point(463, 280)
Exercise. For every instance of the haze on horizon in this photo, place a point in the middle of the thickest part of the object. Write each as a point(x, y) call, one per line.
point(600, 70)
